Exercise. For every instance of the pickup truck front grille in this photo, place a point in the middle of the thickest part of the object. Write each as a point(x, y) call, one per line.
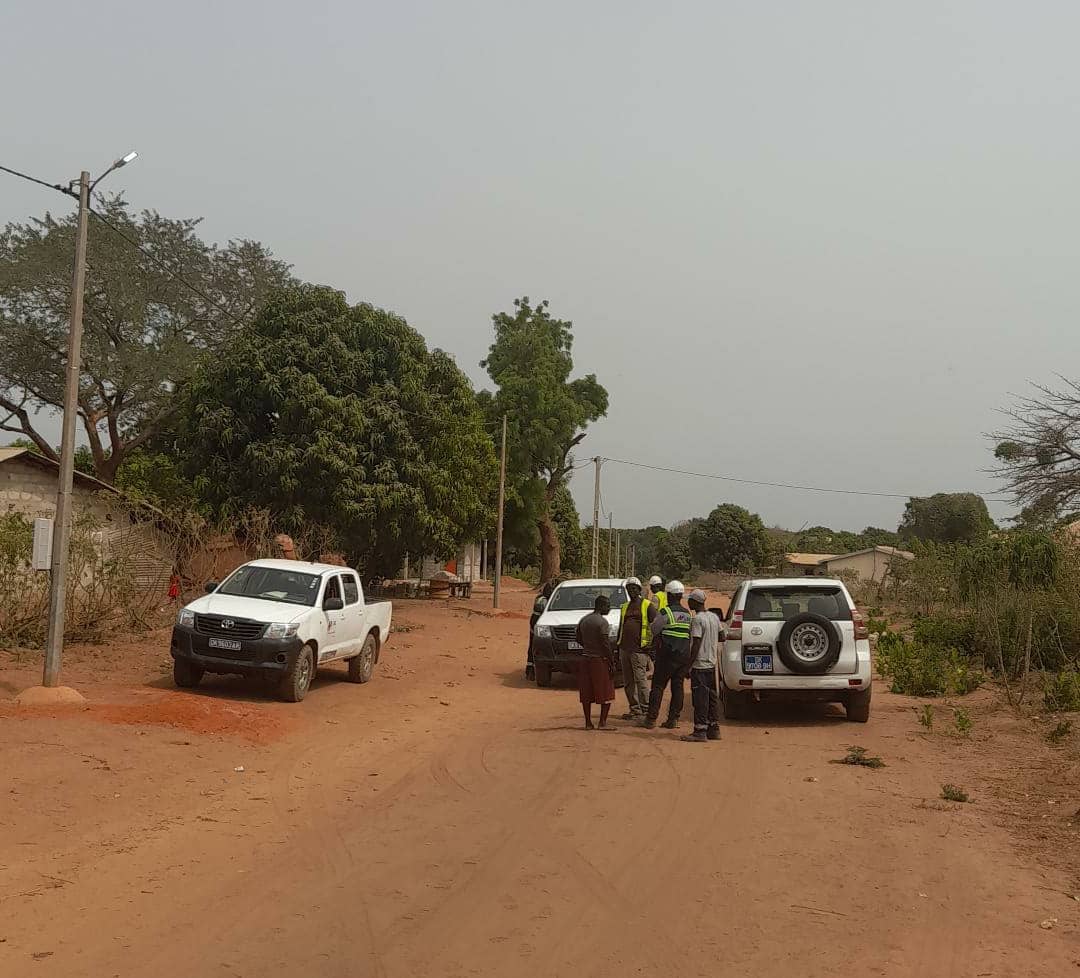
point(225, 627)
point(565, 633)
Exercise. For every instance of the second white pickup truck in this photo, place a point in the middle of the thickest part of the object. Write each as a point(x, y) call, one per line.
point(280, 620)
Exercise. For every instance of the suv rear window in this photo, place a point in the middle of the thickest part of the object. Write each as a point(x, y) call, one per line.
point(784, 603)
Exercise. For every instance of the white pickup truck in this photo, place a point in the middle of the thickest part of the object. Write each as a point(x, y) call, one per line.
point(280, 620)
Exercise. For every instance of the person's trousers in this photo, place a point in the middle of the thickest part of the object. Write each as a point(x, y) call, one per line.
point(706, 700)
point(532, 625)
point(668, 669)
point(635, 667)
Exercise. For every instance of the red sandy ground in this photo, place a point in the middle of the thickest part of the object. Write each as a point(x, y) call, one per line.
point(448, 819)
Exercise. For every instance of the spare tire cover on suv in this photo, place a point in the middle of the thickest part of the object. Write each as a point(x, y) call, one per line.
point(809, 644)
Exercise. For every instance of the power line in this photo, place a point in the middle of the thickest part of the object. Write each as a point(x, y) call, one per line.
point(43, 183)
point(775, 485)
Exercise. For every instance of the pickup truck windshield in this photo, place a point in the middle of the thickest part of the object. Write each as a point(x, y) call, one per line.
point(271, 584)
point(583, 598)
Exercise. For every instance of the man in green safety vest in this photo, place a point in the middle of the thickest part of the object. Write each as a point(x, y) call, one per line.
point(635, 640)
point(671, 633)
point(657, 594)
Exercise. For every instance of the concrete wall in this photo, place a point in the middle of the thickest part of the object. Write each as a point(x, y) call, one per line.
point(873, 566)
point(31, 490)
point(144, 552)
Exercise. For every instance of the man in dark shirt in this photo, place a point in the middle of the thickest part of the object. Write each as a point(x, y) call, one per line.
point(597, 663)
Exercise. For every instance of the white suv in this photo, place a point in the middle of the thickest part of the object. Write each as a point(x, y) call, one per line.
point(800, 638)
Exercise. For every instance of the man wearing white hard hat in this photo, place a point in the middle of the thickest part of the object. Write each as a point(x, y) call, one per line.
point(671, 635)
point(635, 640)
point(657, 594)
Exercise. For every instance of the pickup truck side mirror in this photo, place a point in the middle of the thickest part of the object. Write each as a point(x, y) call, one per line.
point(333, 604)
point(211, 586)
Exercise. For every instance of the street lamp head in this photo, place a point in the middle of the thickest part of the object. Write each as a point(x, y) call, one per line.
point(125, 160)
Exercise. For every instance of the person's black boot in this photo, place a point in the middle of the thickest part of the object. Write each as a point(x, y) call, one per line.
point(530, 672)
point(713, 733)
point(697, 737)
point(670, 724)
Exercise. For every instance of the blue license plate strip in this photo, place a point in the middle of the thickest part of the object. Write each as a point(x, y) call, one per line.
point(757, 662)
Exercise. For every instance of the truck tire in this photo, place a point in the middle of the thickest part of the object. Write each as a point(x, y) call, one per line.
point(809, 644)
point(857, 706)
point(543, 675)
point(736, 705)
point(298, 676)
point(363, 665)
point(185, 674)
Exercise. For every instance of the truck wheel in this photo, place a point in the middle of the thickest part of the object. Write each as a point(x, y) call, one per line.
point(543, 675)
point(736, 705)
point(858, 706)
point(363, 665)
point(185, 674)
point(297, 679)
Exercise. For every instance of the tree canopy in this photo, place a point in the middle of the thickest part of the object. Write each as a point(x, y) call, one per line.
point(946, 517)
point(339, 416)
point(143, 329)
point(1039, 452)
point(730, 538)
point(530, 363)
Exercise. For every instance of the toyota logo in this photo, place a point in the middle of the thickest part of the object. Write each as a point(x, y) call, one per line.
point(227, 623)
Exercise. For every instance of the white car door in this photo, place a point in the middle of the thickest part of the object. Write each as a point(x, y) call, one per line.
point(334, 619)
point(353, 624)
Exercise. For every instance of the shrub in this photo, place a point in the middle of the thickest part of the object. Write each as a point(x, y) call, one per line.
point(925, 669)
point(963, 721)
point(857, 757)
point(950, 792)
point(1062, 691)
point(926, 716)
point(1060, 732)
point(957, 633)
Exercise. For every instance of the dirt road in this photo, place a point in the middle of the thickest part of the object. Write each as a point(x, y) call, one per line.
point(449, 820)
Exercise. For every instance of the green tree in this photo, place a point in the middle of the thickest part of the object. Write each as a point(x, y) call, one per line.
point(673, 550)
point(946, 517)
point(338, 416)
point(730, 538)
point(530, 364)
point(144, 330)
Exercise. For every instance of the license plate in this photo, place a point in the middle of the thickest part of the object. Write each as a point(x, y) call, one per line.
point(229, 644)
point(757, 662)
point(575, 646)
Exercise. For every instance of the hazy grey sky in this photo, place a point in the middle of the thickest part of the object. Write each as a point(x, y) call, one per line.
point(840, 232)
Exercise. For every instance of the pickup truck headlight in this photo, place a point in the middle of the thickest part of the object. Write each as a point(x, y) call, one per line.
point(282, 629)
point(186, 618)
point(543, 631)
point(613, 630)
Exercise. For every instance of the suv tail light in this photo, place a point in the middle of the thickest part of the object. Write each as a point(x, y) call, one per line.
point(861, 631)
point(734, 627)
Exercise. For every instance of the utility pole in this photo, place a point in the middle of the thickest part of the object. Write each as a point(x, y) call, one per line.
point(596, 521)
point(610, 537)
point(618, 554)
point(54, 643)
point(499, 530)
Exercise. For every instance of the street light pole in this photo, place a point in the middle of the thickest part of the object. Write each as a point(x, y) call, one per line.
point(61, 537)
point(54, 643)
point(499, 530)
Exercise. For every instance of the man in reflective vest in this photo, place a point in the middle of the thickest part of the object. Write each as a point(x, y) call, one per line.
point(635, 640)
point(657, 594)
point(671, 634)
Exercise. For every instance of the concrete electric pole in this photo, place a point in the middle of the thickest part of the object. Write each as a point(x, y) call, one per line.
point(596, 521)
point(499, 531)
